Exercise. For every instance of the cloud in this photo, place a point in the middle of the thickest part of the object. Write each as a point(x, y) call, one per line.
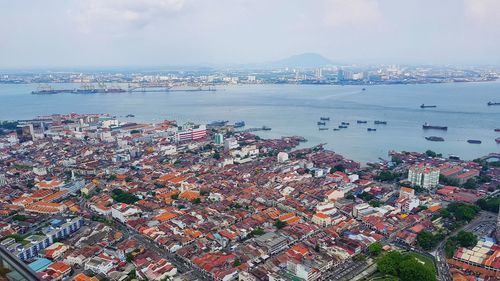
point(121, 15)
point(484, 12)
point(349, 13)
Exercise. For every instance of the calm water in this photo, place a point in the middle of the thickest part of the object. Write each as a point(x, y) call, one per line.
point(294, 110)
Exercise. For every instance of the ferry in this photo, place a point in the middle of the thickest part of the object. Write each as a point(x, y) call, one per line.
point(337, 129)
point(129, 115)
point(474, 141)
point(497, 130)
point(324, 118)
point(239, 124)
point(218, 123)
point(434, 138)
point(266, 128)
point(342, 127)
point(426, 126)
point(497, 140)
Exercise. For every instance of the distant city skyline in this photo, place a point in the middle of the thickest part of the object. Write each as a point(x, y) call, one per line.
point(100, 33)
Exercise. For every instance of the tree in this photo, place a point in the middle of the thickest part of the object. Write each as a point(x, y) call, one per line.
point(374, 203)
point(470, 184)
point(466, 239)
point(430, 153)
point(490, 204)
point(389, 263)
point(462, 212)
point(279, 224)
point(196, 201)
point(375, 249)
point(123, 197)
point(175, 196)
point(412, 270)
point(397, 160)
point(427, 241)
point(350, 196)
point(236, 263)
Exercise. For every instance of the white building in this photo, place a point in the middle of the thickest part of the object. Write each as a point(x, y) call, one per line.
point(124, 212)
point(282, 157)
point(407, 200)
point(230, 143)
point(99, 265)
point(423, 175)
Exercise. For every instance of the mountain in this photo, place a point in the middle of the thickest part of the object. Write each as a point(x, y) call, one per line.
point(306, 60)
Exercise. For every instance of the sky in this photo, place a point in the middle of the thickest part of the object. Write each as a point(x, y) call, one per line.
point(97, 33)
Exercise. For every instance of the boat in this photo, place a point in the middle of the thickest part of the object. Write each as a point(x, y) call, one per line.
point(323, 128)
point(266, 128)
point(342, 127)
point(427, 106)
point(377, 122)
point(129, 115)
point(324, 118)
point(217, 123)
point(336, 129)
point(371, 129)
point(239, 124)
point(434, 138)
point(345, 123)
point(493, 103)
point(497, 130)
point(321, 123)
point(426, 126)
point(361, 122)
point(364, 89)
point(497, 140)
point(474, 141)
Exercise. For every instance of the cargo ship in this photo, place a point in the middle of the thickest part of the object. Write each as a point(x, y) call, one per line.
point(493, 103)
point(426, 126)
point(474, 141)
point(239, 124)
point(361, 122)
point(377, 122)
point(371, 129)
point(324, 118)
point(427, 106)
point(434, 138)
point(497, 140)
point(321, 123)
point(218, 123)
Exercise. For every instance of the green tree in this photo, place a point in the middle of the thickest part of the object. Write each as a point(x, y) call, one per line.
point(374, 203)
point(427, 241)
point(279, 224)
point(430, 153)
point(389, 263)
point(466, 239)
point(470, 184)
point(236, 263)
point(412, 270)
point(375, 249)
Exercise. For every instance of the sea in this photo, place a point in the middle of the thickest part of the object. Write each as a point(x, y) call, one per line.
point(292, 110)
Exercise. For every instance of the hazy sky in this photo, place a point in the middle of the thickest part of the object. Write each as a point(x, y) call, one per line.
point(35, 33)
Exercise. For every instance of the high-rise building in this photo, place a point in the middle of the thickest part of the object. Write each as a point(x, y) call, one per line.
point(423, 175)
point(219, 138)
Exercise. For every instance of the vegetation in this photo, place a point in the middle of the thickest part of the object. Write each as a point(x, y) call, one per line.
point(375, 249)
point(470, 184)
point(462, 212)
point(204, 192)
point(396, 160)
point(236, 263)
point(123, 197)
point(196, 201)
point(374, 203)
point(490, 204)
point(431, 153)
point(406, 267)
point(387, 176)
point(279, 224)
point(256, 232)
point(462, 239)
point(175, 196)
point(366, 196)
point(428, 241)
point(18, 217)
